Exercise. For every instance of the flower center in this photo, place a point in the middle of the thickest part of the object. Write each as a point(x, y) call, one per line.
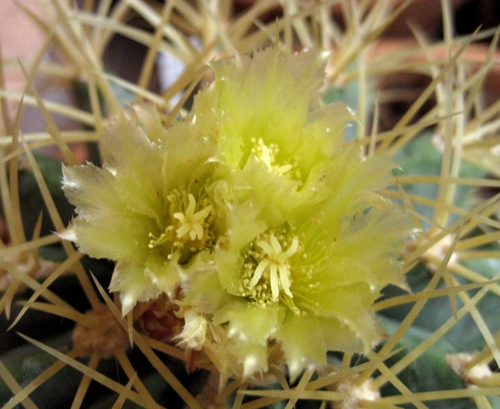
point(266, 269)
point(267, 155)
point(190, 224)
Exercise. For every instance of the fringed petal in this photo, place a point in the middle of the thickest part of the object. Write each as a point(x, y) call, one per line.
point(135, 163)
point(351, 306)
point(133, 285)
point(91, 190)
point(303, 342)
point(115, 238)
point(250, 323)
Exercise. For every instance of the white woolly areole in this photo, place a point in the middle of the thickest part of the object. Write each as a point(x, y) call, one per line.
point(194, 333)
point(438, 252)
point(459, 364)
point(355, 393)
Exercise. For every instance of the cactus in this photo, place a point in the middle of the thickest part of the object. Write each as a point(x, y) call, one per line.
point(248, 234)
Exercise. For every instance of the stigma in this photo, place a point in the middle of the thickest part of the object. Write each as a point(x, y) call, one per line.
point(189, 224)
point(267, 155)
point(267, 271)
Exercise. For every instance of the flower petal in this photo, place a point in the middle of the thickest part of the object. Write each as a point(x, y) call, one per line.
point(133, 285)
point(250, 323)
point(187, 157)
point(305, 340)
point(302, 342)
point(254, 358)
point(200, 281)
point(340, 337)
point(375, 239)
point(115, 238)
point(250, 329)
point(242, 228)
point(135, 163)
point(163, 272)
point(268, 96)
point(91, 190)
point(351, 305)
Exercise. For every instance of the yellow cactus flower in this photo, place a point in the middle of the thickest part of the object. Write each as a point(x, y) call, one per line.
point(308, 243)
point(148, 208)
point(256, 208)
point(265, 113)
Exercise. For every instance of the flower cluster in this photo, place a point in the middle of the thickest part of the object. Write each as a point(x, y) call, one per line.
point(253, 214)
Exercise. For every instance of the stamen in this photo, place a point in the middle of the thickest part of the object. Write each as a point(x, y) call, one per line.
point(162, 238)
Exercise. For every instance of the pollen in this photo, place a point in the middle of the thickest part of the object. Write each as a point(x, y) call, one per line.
point(267, 271)
point(267, 155)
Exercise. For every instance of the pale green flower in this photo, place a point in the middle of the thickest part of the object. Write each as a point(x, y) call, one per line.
point(148, 208)
point(309, 243)
point(264, 111)
point(253, 214)
point(308, 284)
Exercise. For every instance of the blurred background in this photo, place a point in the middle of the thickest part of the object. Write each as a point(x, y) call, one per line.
point(20, 38)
